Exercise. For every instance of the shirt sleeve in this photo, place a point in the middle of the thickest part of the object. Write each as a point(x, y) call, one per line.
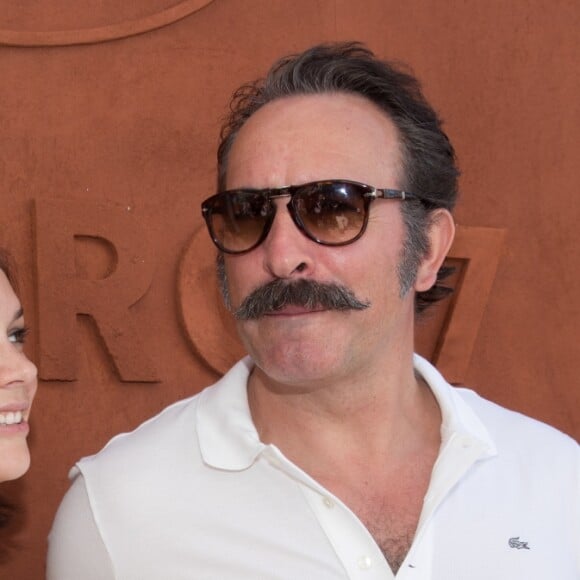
point(75, 546)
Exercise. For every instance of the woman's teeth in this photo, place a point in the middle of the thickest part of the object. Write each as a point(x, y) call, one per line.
point(11, 418)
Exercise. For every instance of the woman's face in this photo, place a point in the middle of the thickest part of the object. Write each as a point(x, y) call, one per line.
point(17, 385)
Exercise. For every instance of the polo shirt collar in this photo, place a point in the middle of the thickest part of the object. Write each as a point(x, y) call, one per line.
point(228, 438)
point(459, 420)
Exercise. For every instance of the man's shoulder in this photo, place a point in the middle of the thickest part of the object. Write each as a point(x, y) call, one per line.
point(176, 425)
point(150, 438)
point(171, 435)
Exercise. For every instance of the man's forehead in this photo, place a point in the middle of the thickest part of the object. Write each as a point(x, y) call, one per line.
point(308, 137)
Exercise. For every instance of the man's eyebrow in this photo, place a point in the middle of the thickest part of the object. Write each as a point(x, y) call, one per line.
point(19, 314)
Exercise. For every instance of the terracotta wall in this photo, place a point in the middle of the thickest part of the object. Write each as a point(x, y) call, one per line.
point(109, 115)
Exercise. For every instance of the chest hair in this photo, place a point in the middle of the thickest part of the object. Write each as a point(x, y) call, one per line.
point(393, 529)
point(390, 510)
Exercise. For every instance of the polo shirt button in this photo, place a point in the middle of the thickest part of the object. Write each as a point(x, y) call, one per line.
point(328, 502)
point(365, 562)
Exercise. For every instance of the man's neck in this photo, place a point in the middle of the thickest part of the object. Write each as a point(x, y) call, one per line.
point(387, 413)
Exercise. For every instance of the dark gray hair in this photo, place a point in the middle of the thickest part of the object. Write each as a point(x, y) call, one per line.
point(429, 163)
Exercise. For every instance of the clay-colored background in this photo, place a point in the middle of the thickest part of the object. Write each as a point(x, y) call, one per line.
point(109, 115)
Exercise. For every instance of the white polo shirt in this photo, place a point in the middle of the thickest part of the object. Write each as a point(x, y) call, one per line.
point(194, 494)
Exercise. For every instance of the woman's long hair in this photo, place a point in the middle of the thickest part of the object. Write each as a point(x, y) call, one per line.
point(7, 266)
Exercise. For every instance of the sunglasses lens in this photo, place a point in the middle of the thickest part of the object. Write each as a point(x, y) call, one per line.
point(332, 212)
point(238, 220)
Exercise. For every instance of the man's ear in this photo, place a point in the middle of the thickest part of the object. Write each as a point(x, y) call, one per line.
point(441, 234)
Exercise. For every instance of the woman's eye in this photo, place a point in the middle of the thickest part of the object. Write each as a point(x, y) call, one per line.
point(18, 336)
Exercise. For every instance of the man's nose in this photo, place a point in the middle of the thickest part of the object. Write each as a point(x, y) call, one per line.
point(287, 251)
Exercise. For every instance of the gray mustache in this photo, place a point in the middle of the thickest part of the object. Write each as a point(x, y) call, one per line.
point(278, 294)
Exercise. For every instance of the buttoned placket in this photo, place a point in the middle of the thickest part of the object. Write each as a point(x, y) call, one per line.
point(458, 454)
point(352, 542)
point(355, 547)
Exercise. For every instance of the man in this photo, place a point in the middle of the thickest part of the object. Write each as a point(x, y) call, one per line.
point(332, 451)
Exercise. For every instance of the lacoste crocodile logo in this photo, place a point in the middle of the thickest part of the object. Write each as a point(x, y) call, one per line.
point(518, 544)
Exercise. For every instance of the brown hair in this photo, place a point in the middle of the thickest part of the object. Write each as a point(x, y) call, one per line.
point(7, 266)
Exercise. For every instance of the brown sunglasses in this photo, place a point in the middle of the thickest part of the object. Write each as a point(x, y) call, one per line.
point(331, 213)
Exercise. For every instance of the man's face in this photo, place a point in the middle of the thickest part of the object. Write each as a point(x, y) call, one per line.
point(298, 140)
